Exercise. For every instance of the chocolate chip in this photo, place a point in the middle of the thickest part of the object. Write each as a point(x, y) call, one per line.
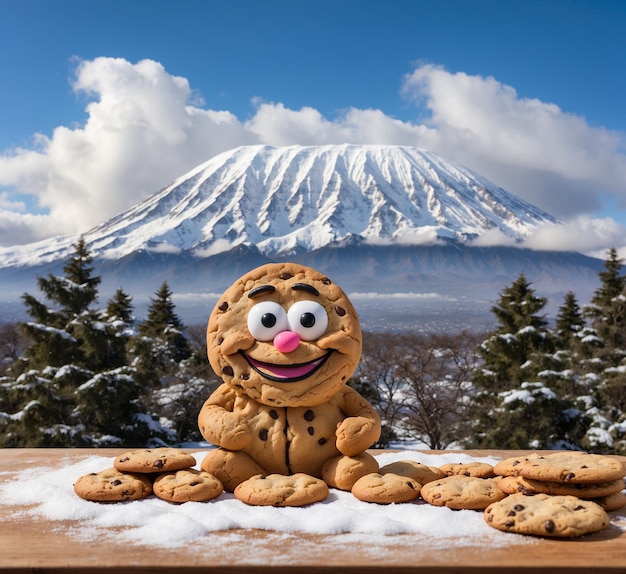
point(340, 311)
point(549, 526)
point(579, 507)
point(116, 482)
point(327, 281)
point(195, 483)
point(569, 476)
point(518, 507)
point(124, 459)
point(309, 415)
point(322, 441)
point(490, 518)
point(274, 414)
point(263, 434)
point(584, 466)
point(228, 371)
point(311, 431)
point(220, 340)
point(516, 462)
point(509, 523)
point(245, 376)
point(411, 485)
point(159, 463)
point(223, 306)
point(285, 276)
point(511, 513)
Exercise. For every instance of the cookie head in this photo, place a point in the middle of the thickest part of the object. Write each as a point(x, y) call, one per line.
point(286, 335)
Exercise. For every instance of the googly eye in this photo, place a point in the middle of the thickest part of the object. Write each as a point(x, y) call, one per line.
point(308, 319)
point(266, 320)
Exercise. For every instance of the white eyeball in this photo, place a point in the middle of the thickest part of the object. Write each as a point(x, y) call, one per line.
point(308, 320)
point(266, 320)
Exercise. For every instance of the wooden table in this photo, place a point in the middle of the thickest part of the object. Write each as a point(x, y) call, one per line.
point(30, 544)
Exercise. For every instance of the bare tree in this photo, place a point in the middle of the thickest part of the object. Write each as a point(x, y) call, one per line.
point(423, 383)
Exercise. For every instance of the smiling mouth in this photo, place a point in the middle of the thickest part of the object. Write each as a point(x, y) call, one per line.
point(286, 373)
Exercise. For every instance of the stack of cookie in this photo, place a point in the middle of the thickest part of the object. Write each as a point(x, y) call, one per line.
point(586, 476)
point(166, 472)
point(563, 494)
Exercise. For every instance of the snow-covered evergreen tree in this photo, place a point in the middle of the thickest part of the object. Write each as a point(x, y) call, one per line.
point(520, 403)
point(72, 386)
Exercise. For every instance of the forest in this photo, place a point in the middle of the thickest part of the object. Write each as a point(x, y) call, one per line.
point(82, 375)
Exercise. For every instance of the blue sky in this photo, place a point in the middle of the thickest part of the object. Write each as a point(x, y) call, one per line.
point(103, 103)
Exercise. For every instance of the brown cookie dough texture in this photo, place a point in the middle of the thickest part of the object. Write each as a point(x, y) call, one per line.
point(461, 492)
point(417, 471)
point(514, 484)
point(280, 490)
point(476, 469)
point(187, 485)
point(148, 460)
point(572, 467)
point(111, 485)
point(546, 515)
point(343, 471)
point(386, 488)
point(227, 335)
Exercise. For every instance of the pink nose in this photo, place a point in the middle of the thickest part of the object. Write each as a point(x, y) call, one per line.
point(286, 341)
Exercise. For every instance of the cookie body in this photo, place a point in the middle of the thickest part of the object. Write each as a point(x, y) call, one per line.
point(476, 469)
point(509, 466)
point(461, 492)
point(150, 460)
point(343, 471)
point(417, 471)
point(572, 467)
point(285, 339)
point(513, 484)
point(187, 485)
point(280, 490)
point(386, 488)
point(111, 485)
point(546, 515)
point(612, 502)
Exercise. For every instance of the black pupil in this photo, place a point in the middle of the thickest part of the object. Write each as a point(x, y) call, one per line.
point(268, 320)
point(307, 320)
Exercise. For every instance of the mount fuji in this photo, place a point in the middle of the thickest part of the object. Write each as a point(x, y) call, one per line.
point(388, 219)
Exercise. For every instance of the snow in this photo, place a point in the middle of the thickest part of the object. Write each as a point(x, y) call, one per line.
point(48, 492)
point(304, 197)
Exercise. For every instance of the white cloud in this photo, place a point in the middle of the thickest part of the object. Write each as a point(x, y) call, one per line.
point(146, 127)
point(584, 234)
point(534, 149)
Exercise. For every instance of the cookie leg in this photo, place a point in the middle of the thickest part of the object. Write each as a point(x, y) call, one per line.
point(230, 467)
point(343, 471)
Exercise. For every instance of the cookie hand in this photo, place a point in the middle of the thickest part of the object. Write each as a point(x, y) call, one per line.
point(235, 433)
point(356, 434)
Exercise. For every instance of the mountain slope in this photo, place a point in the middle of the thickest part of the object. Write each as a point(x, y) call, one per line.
point(290, 200)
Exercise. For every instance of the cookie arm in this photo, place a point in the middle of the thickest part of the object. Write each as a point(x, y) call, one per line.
point(361, 429)
point(219, 424)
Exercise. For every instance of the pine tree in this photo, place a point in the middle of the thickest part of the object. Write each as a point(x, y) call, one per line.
point(164, 329)
point(517, 404)
point(569, 321)
point(607, 310)
point(520, 335)
point(72, 387)
point(605, 402)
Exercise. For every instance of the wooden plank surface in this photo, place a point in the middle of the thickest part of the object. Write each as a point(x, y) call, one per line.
point(35, 544)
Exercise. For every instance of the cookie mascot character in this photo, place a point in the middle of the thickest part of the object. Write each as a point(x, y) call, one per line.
point(285, 339)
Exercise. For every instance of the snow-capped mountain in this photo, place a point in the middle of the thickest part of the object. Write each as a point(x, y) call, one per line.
point(376, 219)
point(290, 200)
